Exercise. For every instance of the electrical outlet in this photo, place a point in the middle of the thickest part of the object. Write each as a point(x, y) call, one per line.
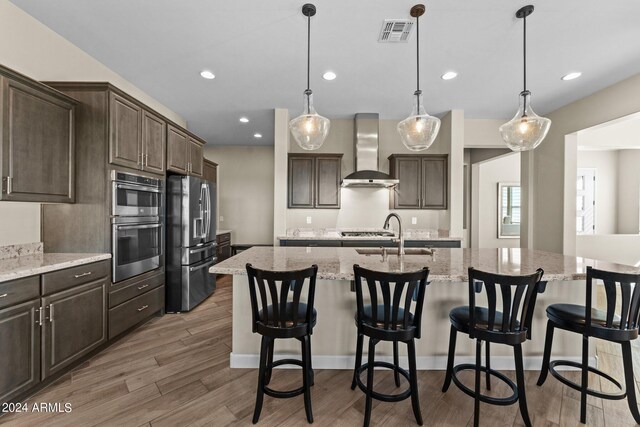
point(308, 220)
point(221, 218)
point(414, 220)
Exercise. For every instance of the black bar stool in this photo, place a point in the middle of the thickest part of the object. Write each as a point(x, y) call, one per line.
point(511, 326)
point(279, 316)
point(615, 324)
point(390, 321)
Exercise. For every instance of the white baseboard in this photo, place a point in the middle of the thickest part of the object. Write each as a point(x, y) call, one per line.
point(506, 363)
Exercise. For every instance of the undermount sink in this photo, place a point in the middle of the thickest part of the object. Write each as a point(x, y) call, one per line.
point(394, 251)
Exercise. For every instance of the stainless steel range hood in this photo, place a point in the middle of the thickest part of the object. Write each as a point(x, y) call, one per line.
point(366, 155)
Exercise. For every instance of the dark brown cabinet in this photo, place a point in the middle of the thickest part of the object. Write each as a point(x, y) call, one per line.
point(423, 181)
point(223, 250)
point(210, 171)
point(37, 141)
point(136, 136)
point(75, 323)
point(314, 181)
point(20, 338)
point(184, 152)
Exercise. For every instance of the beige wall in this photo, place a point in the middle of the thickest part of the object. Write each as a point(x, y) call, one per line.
point(606, 165)
point(483, 133)
point(629, 191)
point(245, 191)
point(546, 206)
point(31, 48)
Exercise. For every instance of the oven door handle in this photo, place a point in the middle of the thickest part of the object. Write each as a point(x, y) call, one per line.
point(138, 188)
point(206, 264)
point(139, 227)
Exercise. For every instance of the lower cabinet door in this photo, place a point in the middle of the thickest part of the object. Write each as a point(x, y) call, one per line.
point(20, 353)
point(75, 324)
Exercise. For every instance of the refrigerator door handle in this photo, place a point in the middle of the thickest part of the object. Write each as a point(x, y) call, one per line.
point(209, 211)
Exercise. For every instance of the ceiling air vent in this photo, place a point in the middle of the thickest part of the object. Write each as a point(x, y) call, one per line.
point(395, 31)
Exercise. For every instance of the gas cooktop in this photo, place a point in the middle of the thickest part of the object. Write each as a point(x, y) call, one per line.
point(367, 233)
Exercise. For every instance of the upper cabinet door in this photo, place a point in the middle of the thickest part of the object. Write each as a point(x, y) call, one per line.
point(210, 171)
point(434, 182)
point(177, 150)
point(125, 140)
point(328, 175)
point(38, 142)
point(301, 182)
point(154, 144)
point(407, 193)
point(195, 158)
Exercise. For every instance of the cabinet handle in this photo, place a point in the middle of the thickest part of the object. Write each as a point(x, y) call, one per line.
point(142, 287)
point(144, 307)
point(77, 276)
point(40, 320)
point(50, 313)
point(139, 159)
point(146, 157)
point(4, 295)
point(7, 186)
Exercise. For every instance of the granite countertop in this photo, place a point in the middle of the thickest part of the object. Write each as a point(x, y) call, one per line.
point(219, 232)
point(445, 264)
point(38, 263)
point(334, 234)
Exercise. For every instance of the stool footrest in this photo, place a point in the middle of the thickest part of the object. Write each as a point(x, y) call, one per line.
point(484, 398)
point(283, 394)
point(578, 387)
point(380, 396)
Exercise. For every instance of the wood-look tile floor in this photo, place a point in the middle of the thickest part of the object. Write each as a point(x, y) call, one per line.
point(174, 371)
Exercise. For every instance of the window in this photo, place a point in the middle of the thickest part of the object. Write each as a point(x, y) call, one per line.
point(586, 201)
point(508, 211)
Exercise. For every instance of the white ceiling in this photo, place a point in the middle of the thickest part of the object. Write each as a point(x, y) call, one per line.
point(257, 50)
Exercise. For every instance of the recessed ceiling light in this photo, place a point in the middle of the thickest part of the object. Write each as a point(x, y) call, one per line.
point(244, 120)
point(449, 75)
point(329, 75)
point(208, 75)
point(257, 135)
point(572, 76)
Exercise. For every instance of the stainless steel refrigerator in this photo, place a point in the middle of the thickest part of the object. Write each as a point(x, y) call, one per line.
point(191, 241)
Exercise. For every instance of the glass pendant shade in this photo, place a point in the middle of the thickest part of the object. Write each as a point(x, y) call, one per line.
point(419, 130)
point(526, 130)
point(309, 129)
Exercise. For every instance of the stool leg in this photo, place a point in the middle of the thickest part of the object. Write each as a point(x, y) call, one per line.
point(306, 366)
point(544, 371)
point(269, 369)
point(522, 397)
point(358, 359)
point(396, 375)
point(476, 403)
point(488, 365)
point(367, 408)
point(450, 357)
point(413, 379)
point(311, 374)
point(629, 380)
point(264, 347)
point(585, 379)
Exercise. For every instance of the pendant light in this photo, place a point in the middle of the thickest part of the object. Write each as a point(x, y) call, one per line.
point(419, 130)
point(309, 129)
point(526, 130)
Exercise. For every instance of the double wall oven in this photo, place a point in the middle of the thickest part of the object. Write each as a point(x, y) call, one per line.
point(137, 224)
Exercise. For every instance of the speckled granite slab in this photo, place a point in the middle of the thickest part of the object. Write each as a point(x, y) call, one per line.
point(334, 234)
point(445, 265)
point(30, 265)
point(15, 251)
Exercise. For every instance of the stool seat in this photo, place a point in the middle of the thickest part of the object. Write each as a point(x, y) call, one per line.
point(576, 314)
point(367, 316)
point(459, 316)
point(288, 315)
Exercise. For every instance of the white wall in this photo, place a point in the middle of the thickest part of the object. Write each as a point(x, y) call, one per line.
point(245, 191)
point(606, 165)
point(619, 248)
point(629, 191)
point(484, 205)
point(483, 133)
point(31, 48)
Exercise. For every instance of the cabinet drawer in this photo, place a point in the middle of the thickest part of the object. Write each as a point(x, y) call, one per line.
point(221, 238)
point(134, 311)
point(68, 278)
point(19, 290)
point(132, 290)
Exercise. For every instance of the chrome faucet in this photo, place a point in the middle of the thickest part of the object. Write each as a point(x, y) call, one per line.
point(401, 240)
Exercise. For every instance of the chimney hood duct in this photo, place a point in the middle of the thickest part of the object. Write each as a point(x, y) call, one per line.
point(366, 155)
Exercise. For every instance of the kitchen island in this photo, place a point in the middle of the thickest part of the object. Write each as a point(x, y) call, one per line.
point(335, 301)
